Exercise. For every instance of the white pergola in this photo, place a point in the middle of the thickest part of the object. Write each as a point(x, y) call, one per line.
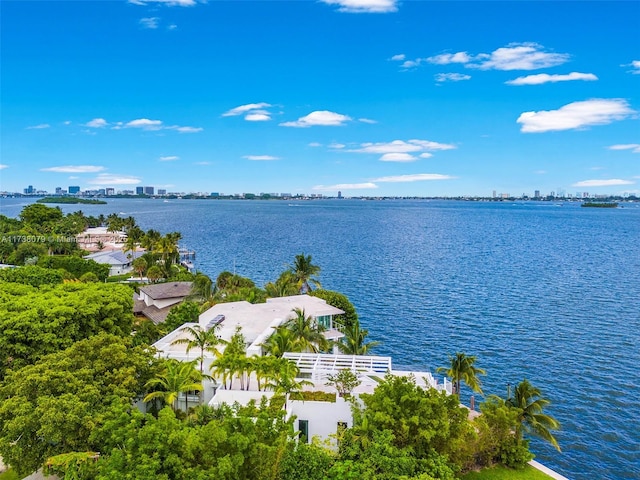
point(318, 365)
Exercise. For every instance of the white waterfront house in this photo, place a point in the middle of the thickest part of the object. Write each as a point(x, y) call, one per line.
point(257, 322)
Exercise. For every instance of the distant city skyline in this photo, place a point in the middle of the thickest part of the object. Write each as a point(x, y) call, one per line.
point(367, 97)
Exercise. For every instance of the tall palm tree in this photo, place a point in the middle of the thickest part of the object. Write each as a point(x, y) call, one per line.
point(305, 272)
point(283, 380)
point(201, 338)
point(167, 248)
point(281, 340)
point(353, 343)
point(139, 266)
point(176, 378)
point(531, 403)
point(462, 369)
point(307, 333)
point(284, 286)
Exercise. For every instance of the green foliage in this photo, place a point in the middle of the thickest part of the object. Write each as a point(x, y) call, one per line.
point(462, 369)
point(318, 396)
point(304, 272)
point(344, 381)
point(89, 277)
point(52, 406)
point(37, 321)
point(147, 332)
point(40, 215)
point(419, 419)
point(338, 300)
point(497, 442)
point(354, 342)
point(174, 378)
point(184, 312)
point(531, 402)
point(31, 275)
point(286, 285)
point(154, 273)
point(305, 462)
point(28, 253)
point(245, 443)
point(76, 266)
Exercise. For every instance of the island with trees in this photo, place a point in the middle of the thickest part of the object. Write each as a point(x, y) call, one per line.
point(83, 395)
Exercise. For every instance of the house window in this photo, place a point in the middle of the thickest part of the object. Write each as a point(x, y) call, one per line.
point(303, 427)
point(324, 321)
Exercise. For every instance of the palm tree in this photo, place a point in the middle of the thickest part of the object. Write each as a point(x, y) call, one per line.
point(205, 340)
point(176, 378)
point(304, 272)
point(281, 340)
point(139, 266)
point(462, 369)
point(167, 248)
point(154, 273)
point(284, 286)
point(531, 403)
point(150, 239)
point(130, 245)
point(307, 333)
point(354, 341)
point(283, 379)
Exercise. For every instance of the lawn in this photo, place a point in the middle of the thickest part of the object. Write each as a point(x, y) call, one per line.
point(9, 475)
point(503, 473)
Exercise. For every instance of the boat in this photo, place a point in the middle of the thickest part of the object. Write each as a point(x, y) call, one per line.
point(600, 204)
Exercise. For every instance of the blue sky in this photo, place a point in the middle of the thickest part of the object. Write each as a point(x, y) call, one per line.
point(370, 97)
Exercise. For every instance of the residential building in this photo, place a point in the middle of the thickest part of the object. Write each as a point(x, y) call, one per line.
point(148, 190)
point(257, 323)
point(155, 301)
point(139, 190)
point(119, 262)
point(74, 189)
point(110, 191)
point(162, 191)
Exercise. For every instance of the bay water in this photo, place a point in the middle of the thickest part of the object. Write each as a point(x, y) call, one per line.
point(538, 290)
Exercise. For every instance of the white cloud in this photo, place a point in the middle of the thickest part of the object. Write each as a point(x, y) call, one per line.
point(336, 145)
point(417, 177)
point(519, 56)
point(319, 118)
point(168, 3)
point(74, 169)
point(169, 158)
point(145, 124)
point(261, 157)
point(400, 146)
point(447, 58)
point(315, 144)
point(635, 67)
point(426, 155)
point(409, 64)
point(398, 58)
point(245, 109)
point(602, 183)
point(185, 129)
point(540, 172)
point(346, 186)
point(364, 6)
point(451, 77)
point(67, 122)
point(39, 127)
point(546, 78)
point(173, 26)
point(202, 163)
point(397, 157)
point(73, 177)
point(96, 123)
point(634, 147)
point(367, 120)
point(150, 22)
point(597, 111)
point(3, 166)
point(258, 116)
point(114, 179)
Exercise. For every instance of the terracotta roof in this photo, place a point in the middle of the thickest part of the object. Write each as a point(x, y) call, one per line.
point(161, 291)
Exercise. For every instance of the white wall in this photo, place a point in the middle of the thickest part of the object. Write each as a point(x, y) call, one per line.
point(323, 417)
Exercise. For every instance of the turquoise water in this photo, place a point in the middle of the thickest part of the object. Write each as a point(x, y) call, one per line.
point(535, 290)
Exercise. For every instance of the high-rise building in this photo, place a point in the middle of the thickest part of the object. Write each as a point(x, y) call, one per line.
point(162, 191)
point(339, 194)
point(58, 190)
point(148, 190)
point(139, 190)
point(110, 191)
point(536, 194)
point(74, 189)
